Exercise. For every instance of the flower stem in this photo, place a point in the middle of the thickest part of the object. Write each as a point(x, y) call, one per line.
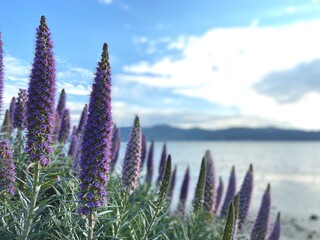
point(91, 226)
point(35, 192)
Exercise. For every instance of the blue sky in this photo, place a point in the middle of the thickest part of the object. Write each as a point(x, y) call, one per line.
point(209, 64)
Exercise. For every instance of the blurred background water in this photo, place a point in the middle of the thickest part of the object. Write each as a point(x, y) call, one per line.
point(292, 169)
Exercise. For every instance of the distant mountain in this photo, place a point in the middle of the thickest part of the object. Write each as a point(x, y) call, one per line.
point(167, 133)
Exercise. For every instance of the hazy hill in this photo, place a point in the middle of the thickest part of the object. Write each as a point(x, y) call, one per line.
point(167, 133)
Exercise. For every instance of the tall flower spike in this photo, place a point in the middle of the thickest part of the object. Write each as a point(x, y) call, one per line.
point(260, 227)
point(184, 193)
point(276, 231)
point(6, 123)
point(7, 169)
point(73, 146)
point(219, 195)
point(245, 195)
point(172, 183)
point(65, 127)
point(150, 164)
point(96, 141)
point(231, 191)
point(62, 103)
point(131, 163)
point(20, 111)
point(209, 190)
point(74, 131)
point(83, 119)
point(199, 193)
point(41, 93)
point(115, 146)
point(143, 151)
point(162, 162)
point(12, 110)
point(1, 72)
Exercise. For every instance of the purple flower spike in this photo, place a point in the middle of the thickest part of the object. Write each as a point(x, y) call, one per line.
point(231, 192)
point(245, 195)
point(20, 111)
point(73, 146)
point(83, 119)
point(115, 146)
point(150, 164)
point(276, 231)
point(65, 127)
point(1, 73)
point(184, 193)
point(62, 103)
point(163, 159)
point(143, 151)
point(12, 110)
point(74, 131)
point(131, 163)
point(172, 182)
point(209, 190)
point(7, 169)
point(41, 93)
point(219, 195)
point(260, 227)
point(96, 141)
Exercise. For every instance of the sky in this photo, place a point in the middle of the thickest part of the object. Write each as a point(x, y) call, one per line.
point(208, 64)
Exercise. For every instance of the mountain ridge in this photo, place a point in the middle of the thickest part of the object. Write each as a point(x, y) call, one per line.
point(169, 133)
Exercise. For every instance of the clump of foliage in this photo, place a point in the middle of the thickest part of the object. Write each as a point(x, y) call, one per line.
point(46, 193)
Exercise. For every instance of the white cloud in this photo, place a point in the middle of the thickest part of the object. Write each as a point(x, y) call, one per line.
point(106, 1)
point(223, 64)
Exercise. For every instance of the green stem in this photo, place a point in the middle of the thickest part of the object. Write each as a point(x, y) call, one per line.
point(35, 192)
point(121, 211)
point(91, 226)
point(152, 221)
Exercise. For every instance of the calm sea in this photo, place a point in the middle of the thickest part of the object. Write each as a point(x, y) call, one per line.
point(292, 169)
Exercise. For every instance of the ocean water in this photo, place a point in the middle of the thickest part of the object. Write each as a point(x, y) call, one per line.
point(292, 169)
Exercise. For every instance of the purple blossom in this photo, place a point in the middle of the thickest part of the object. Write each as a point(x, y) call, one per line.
point(131, 163)
point(62, 103)
point(1, 72)
point(143, 151)
point(184, 192)
point(20, 110)
point(245, 195)
point(162, 164)
point(172, 182)
point(150, 164)
point(12, 110)
point(83, 119)
point(41, 93)
point(209, 190)
point(219, 195)
point(73, 146)
point(74, 131)
point(260, 227)
point(276, 231)
point(231, 192)
point(96, 141)
point(115, 146)
point(65, 127)
point(7, 169)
